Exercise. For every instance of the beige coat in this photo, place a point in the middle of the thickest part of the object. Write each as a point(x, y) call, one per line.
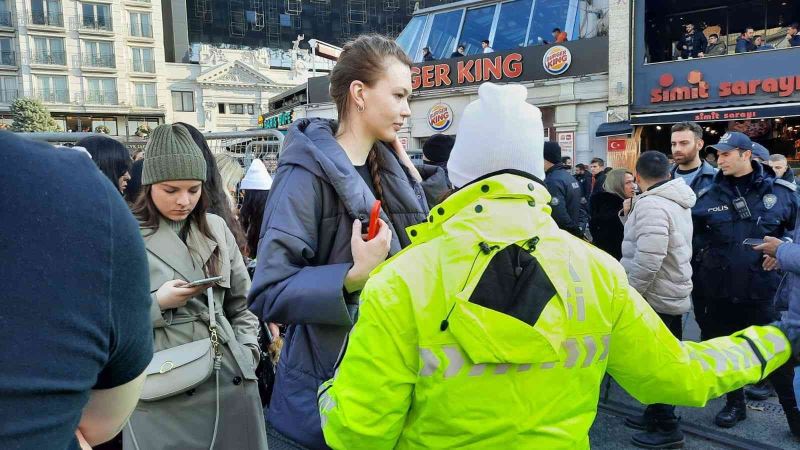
point(657, 247)
point(185, 421)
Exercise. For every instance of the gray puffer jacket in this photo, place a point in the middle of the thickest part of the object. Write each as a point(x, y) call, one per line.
point(657, 247)
point(304, 255)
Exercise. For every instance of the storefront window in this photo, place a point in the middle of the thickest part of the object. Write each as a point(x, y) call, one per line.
point(512, 25)
point(411, 36)
point(546, 16)
point(135, 122)
point(477, 26)
point(108, 122)
point(442, 39)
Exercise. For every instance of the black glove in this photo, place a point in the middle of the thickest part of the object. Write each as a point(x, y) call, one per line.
point(791, 329)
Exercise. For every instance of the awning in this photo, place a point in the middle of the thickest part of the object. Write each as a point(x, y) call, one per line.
point(614, 129)
point(719, 114)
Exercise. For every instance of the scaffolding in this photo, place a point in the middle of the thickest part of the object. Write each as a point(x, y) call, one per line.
point(391, 26)
point(357, 11)
point(257, 6)
point(391, 5)
point(412, 5)
point(237, 25)
point(204, 11)
point(273, 24)
point(293, 7)
point(322, 11)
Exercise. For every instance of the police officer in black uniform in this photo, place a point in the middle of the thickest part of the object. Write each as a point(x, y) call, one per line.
point(569, 205)
point(743, 202)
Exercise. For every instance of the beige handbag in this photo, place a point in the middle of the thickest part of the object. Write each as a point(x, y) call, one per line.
point(181, 368)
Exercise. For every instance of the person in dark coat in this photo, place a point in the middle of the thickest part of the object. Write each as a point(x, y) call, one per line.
point(460, 51)
point(693, 43)
point(604, 224)
point(427, 55)
point(433, 167)
point(568, 202)
point(781, 167)
point(744, 43)
point(584, 178)
point(312, 257)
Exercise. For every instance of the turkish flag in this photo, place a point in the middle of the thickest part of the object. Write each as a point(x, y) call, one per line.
point(617, 145)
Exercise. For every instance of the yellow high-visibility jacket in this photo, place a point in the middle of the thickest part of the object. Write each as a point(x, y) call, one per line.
point(495, 328)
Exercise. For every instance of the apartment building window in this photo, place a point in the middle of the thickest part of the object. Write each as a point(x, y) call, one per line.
point(96, 16)
point(141, 24)
point(101, 91)
point(235, 108)
point(8, 89)
point(183, 101)
point(6, 18)
point(47, 12)
point(8, 56)
point(143, 60)
point(145, 95)
point(99, 54)
point(52, 89)
point(49, 51)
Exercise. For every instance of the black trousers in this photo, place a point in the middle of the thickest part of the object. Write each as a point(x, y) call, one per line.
point(724, 318)
point(664, 415)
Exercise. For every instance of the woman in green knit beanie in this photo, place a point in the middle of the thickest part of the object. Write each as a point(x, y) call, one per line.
point(222, 407)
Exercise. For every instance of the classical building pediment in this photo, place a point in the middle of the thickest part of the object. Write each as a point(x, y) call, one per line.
point(235, 74)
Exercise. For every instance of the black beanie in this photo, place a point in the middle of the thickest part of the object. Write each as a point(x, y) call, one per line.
point(437, 148)
point(552, 152)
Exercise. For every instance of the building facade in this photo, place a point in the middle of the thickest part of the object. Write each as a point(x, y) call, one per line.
point(228, 90)
point(92, 63)
point(568, 81)
point(655, 82)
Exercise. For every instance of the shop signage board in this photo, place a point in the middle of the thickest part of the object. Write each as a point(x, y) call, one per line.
point(719, 114)
point(440, 117)
point(566, 140)
point(540, 62)
point(280, 120)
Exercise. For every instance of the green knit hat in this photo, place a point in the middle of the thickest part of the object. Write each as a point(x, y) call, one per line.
point(171, 154)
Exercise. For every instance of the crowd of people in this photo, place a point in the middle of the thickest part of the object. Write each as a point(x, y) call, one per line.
point(696, 44)
point(468, 299)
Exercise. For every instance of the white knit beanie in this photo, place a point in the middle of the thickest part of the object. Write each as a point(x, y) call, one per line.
point(257, 177)
point(499, 131)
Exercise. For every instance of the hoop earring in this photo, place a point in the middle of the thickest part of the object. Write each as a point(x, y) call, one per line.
point(360, 108)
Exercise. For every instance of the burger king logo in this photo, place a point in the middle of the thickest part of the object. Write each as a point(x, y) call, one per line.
point(440, 117)
point(557, 60)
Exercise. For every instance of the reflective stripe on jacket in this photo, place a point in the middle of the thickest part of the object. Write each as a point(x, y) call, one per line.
point(448, 354)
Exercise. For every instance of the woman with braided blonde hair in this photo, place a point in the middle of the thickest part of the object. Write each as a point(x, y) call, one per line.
point(313, 258)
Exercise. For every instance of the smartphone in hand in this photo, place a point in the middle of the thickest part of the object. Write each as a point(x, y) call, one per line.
point(753, 242)
point(201, 282)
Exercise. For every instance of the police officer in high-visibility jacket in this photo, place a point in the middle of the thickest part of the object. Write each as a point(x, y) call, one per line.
point(494, 328)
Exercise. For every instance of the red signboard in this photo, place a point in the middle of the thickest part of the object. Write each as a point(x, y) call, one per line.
point(467, 71)
point(617, 144)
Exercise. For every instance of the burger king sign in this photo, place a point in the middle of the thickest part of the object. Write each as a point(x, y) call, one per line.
point(440, 117)
point(557, 60)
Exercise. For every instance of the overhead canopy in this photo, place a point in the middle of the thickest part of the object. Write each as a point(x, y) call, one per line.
point(614, 129)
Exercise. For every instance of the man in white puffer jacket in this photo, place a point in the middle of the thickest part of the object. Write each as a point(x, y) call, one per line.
point(656, 254)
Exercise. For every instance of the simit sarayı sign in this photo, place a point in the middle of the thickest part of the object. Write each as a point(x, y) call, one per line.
point(732, 81)
point(541, 62)
point(695, 88)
